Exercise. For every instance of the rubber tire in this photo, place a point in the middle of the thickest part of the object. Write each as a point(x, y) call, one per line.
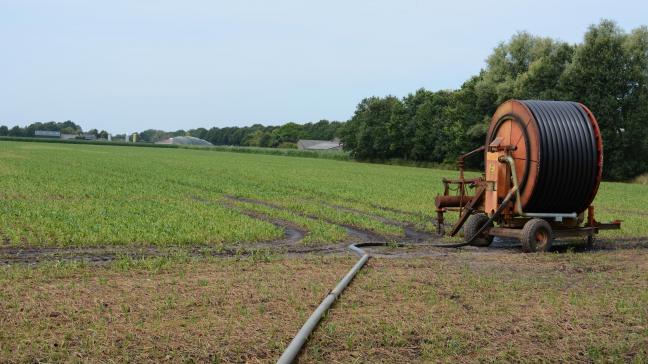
point(472, 225)
point(532, 230)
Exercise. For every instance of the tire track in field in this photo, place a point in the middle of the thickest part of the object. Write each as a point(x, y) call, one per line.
point(357, 234)
point(416, 238)
point(305, 193)
point(411, 233)
point(293, 234)
point(290, 244)
point(106, 254)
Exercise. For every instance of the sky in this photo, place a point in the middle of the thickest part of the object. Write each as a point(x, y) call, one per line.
point(130, 65)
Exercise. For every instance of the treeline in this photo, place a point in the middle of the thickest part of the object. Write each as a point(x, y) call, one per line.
point(257, 135)
point(608, 72)
point(65, 127)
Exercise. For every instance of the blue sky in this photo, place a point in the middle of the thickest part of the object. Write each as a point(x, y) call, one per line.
point(131, 65)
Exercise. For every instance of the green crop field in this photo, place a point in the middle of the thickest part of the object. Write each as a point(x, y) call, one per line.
point(88, 195)
point(212, 256)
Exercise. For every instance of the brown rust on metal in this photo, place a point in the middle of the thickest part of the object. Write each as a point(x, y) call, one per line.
point(452, 201)
point(509, 124)
point(459, 201)
point(461, 159)
point(476, 201)
point(440, 222)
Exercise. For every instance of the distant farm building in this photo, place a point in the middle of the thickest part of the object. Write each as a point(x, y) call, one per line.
point(306, 144)
point(47, 134)
point(58, 135)
point(184, 140)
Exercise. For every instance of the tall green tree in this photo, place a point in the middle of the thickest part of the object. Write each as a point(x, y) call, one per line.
point(367, 135)
point(609, 75)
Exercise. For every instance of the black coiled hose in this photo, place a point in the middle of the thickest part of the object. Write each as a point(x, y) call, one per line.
point(568, 164)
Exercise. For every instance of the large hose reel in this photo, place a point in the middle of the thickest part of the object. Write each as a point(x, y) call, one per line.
point(543, 166)
point(557, 149)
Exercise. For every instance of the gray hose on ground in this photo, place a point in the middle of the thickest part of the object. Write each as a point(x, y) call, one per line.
point(295, 346)
point(300, 339)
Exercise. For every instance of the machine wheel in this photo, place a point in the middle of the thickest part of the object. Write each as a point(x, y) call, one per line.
point(536, 236)
point(473, 224)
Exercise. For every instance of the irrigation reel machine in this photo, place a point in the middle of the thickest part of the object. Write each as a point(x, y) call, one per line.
point(543, 162)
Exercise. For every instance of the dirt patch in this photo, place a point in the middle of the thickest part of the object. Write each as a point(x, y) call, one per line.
point(365, 234)
point(411, 233)
point(620, 243)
